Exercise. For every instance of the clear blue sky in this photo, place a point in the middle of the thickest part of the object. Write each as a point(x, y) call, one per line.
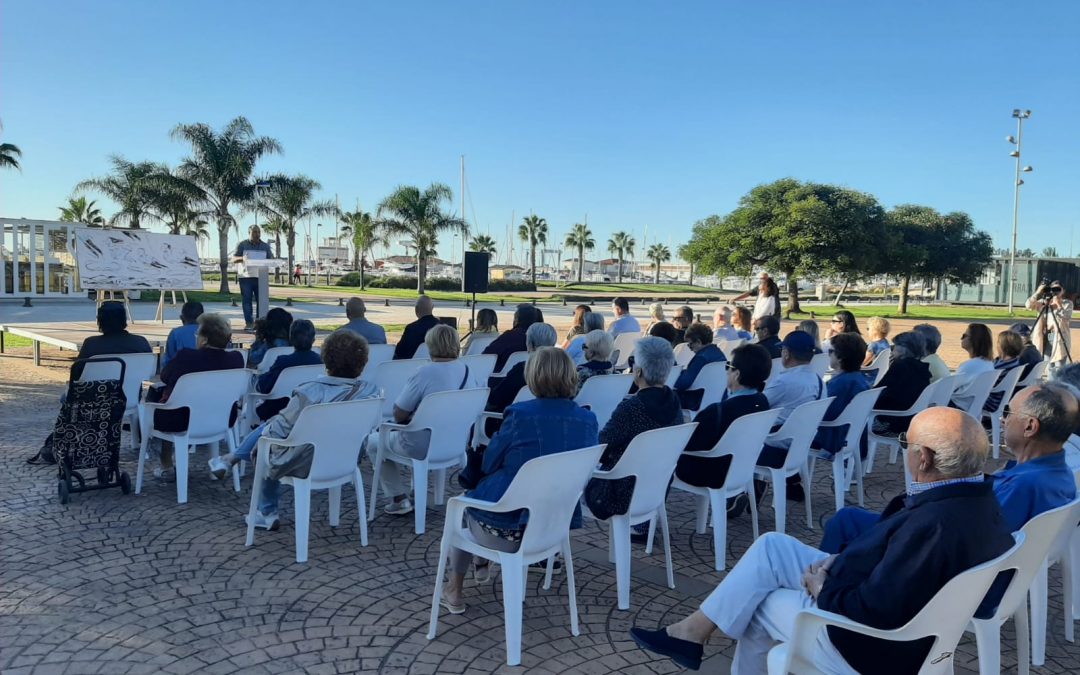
point(634, 113)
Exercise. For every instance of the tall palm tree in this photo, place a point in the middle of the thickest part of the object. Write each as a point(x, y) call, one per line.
point(533, 230)
point(621, 245)
point(175, 201)
point(364, 233)
point(9, 156)
point(482, 243)
point(79, 210)
point(419, 216)
point(581, 238)
point(658, 253)
point(131, 185)
point(221, 165)
point(291, 199)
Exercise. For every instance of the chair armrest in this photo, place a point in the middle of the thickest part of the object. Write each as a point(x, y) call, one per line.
point(455, 507)
point(390, 426)
point(489, 416)
point(809, 621)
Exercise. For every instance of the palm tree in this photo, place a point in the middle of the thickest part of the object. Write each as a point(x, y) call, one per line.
point(291, 199)
point(79, 210)
point(533, 230)
point(221, 165)
point(621, 245)
point(362, 229)
point(419, 216)
point(482, 243)
point(580, 237)
point(131, 185)
point(175, 202)
point(658, 253)
point(9, 154)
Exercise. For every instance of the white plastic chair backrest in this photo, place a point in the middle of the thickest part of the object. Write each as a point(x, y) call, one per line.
point(880, 364)
point(683, 355)
point(603, 393)
point(676, 371)
point(980, 388)
point(743, 440)
point(729, 346)
point(422, 352)
point(337, 430)
point(449, 415)
point(1036, 374)
point(922, 402)
point(614, 358)
point(1072, 455)
point(651, 458)
point(480, 343)
point(856, 415)
point(800, 428)
point(941, 391)
point(481, 366)
point(272, 355)
point(713, 379)
point(391, 377)
point(137, 369)
point(550, 487)
point(820, 364)
point(524, 394)
point(377, 354)
point(777, 368)
point(1061, 543)
point(513, 360)
point(291, 378)
point(209, 396)
point(1006, 388)
point(625, 343)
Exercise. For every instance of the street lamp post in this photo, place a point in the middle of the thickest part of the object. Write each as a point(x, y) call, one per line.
point(1020, 116)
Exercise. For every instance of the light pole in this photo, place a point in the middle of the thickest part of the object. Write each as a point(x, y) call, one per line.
point(1020, 116)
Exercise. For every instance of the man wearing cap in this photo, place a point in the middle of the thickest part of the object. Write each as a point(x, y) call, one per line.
point(1030, 356)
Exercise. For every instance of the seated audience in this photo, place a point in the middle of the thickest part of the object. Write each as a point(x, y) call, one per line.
point(683, 317)
point(882, 579)
point(767, 333)
point(1009, 348)
point(487, 325)
point(598, 347)
point(548, 424)
point(877, 332)
point(722, 328)
point(114, 338)
point(903, 383)
point(345, 354)
point(577, 325)
point(811, 328)
point(505, 389)
point(623, 322)
point(742, 319)
point(699, 341)
point(848, 350)
point(1030, 356)
point(513, 340)
point(446, 372)
point(656, 315)
point(663, 329)
point(932, 335)
point(413, 335)
point(843, 321)
point(270, 331)
point(978, 342)
point(183, 336)
point(355, 309)
point(576, 349)
point(301, 338)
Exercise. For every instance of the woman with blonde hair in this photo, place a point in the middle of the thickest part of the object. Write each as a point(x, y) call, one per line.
point(877, 338)
point(656, 315)
point(577, 325)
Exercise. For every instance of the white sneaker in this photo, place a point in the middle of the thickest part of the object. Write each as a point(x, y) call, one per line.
point(263, 521)
point(219, 467)
point(402, 508)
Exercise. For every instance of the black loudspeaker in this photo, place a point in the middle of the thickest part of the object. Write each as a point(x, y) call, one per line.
point(449, 321)
point(476, 272)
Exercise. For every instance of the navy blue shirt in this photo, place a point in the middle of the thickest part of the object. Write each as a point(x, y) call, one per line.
point(710, 354)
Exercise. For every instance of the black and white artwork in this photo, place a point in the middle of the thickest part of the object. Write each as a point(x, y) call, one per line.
point(136, 259)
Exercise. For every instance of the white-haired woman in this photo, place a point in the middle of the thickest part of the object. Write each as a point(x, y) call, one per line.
point(576, 349)
point(656, 315)
point(598, 347)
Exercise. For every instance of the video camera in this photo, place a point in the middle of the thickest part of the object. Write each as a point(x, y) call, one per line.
point(1048, 291)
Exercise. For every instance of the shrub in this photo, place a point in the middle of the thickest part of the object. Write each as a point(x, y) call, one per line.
point(432, 284)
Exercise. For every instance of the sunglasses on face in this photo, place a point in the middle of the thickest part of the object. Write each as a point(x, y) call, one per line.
point(729, 366)
point(836, 320)
point(1007, 411)
point(1056, 289)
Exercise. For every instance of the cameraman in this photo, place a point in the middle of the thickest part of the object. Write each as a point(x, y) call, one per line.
point(1046, 329)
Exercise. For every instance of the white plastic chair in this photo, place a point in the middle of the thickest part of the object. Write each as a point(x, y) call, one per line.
point(820, 364)
point(676, 370)
point(799, 429)
point(944, 618)
point(448, 415)
point(511, 361)
point(625, 343)
point(979, 390)
point(1040, 534)
point(1065, 553)
point(377, 354)
point(742, 441)
point(943, 391)
point(777, 368)
point(1006, 388)
point(713, 379)
point(481, 366)
point(880, 364)
point(729, 346)
point(480, 437)
point(847, 462)
point(683, 355)
point(874, 440)
point(1035, 375)
point(391, 377)
point(209, 396)
point(479, 344)
point(422, 352)
point(137, 369)
point(288, 380)
point(650, 459)
point(603, 393)
point(337, 431)
point(549, 487)
point(272, 355)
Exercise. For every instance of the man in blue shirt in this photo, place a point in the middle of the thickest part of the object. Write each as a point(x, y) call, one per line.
point(372, 332)
point(1037, 422)
point(623, 323)
point(183, 336)
point(249, 279)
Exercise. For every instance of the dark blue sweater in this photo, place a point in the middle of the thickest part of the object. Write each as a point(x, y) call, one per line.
point(886, 576)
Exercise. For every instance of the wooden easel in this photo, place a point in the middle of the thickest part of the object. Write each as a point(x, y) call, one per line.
point(103, 295)
point(160, 315)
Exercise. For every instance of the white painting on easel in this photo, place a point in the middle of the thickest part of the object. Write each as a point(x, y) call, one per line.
point(136, 259)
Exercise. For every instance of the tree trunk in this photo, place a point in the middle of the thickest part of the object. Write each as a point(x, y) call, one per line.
point(532, 263)
point(843, 289)
point(290, 241)
point(691, 274)
point(620, 267)
point(277, 254)
point(358, 262)
point(905, 282)
point(656, 277)
point(580, 263)
point(421, 272)
point(793, 292)
point(223, 253)
point(362, 272)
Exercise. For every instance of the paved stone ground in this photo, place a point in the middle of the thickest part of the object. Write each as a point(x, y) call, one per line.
point(114, 583)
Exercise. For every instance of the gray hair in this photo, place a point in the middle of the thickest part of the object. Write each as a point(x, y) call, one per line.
point(302, 334)
point(1069, 375)
point(539, 335)
point(654, 357)
point(932, 336)
point(1049, 403)
point(600, 345)
point(593, 321)
point(958, 455)
point(911, 342)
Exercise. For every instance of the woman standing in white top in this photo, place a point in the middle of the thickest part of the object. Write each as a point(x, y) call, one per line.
point(1062, 309)
point(767, 299)
point(978, 342)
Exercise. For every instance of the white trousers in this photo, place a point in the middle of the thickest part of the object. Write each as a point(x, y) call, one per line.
point(391, 479)
point(757, 601)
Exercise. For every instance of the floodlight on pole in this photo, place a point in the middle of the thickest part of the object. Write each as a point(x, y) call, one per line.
point(1020, 116)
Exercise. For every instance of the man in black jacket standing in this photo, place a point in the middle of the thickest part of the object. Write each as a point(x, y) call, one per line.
point(882, 579)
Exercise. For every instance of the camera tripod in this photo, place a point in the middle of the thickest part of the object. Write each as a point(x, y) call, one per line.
point(1047, 315)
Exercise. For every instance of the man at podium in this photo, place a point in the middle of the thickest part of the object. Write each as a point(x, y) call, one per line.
point(256, 249)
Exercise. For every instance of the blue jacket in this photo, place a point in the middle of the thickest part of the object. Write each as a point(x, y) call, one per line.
point(710, 354)
point(1026, 490)
point(886, 576)
point(529, 430)
point(843, 387)
point(181, 337)
point(304, 357)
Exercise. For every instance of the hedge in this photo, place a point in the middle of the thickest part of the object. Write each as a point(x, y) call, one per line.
point(434, 284)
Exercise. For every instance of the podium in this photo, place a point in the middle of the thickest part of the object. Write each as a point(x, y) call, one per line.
point(262, 269)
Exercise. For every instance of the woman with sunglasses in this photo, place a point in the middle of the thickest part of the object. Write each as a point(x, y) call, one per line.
point(1045, 335)
point(978, 342)
point(843, 321)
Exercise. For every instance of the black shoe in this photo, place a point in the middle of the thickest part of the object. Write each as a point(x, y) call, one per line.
point(683, 652)
point(639, 537)
point(795, 492)
point(738, 505)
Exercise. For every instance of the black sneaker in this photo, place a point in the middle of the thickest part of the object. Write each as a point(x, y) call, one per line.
point(683, 652)
point(796, 493)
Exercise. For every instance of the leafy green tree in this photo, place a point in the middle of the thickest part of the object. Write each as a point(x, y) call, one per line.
point(482, 243)
point(621, 245)
point(796, 228)
point(533, 230)
point(9, 156)
point(221, 166)
point(1050, 252)
point(659, 254)
point(581, 238)
point(362, 230)
point(132, 186)
point(290, 199)
point(418, 215)
point(79, 210)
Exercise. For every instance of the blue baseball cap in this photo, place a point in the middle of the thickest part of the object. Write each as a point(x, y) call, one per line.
point(1022, 329)
point(799, 342)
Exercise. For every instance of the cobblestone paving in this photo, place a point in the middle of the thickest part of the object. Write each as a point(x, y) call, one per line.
point(139, 584)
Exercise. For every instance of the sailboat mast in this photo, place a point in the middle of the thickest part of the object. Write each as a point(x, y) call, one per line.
point(465, 230)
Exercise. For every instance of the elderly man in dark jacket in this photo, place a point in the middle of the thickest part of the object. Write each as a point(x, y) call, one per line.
point(513, 340)
point(882, 579)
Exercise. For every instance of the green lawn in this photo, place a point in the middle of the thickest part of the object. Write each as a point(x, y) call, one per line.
point(628, 288)
point(445, 296)
point(929, 312)
point(214, 296)
point(16, 341)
